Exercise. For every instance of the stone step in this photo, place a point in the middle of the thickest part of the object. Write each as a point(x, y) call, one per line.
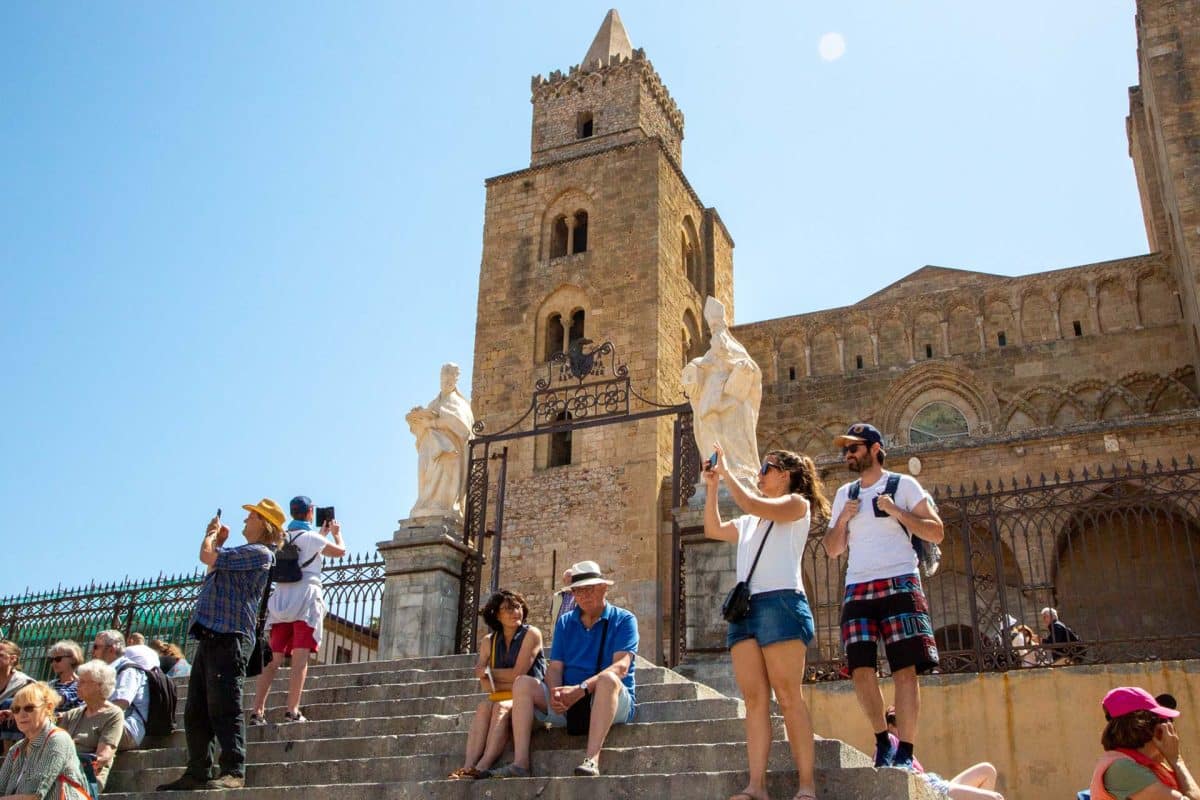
point(855, 783)
point(375, 701)
point(463, 661)
point(432, 767)
point(285, 747)
point(436, 683)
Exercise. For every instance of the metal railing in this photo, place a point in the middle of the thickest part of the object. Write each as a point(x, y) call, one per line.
point(160, 608)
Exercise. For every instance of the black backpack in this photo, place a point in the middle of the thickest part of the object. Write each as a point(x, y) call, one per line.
point(288, 568)
point(929, 555)
point(160, 720)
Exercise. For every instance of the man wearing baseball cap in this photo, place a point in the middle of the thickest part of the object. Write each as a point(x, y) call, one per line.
point(1141, 750)
point(589, 683)
point(875, 516)
point(223, 623)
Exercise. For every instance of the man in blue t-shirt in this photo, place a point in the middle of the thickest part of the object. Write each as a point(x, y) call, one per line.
point(589, 684)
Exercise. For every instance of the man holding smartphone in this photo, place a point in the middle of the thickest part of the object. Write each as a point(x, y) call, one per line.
point(223, 623)
point(874, 517)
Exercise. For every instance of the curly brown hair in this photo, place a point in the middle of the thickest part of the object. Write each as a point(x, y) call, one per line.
point(1130, 730)
point(501, 599)
point(805, 480)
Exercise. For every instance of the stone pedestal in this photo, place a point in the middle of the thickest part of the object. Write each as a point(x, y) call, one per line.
point(423, 562)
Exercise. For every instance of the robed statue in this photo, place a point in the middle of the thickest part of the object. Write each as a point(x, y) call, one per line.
point(442, 429)
point(724, 387)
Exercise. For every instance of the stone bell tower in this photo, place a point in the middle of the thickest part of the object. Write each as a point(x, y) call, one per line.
point(601, 239)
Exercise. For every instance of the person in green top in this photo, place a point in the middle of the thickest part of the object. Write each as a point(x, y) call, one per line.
point(43, 765)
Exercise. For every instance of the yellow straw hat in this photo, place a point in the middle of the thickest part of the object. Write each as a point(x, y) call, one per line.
point(269, 510)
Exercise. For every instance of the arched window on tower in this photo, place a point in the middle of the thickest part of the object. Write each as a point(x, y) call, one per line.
point(579, 242)
point(690, 256)
point(585, 125)
point(576, 331)
point(558, 238)
point(560, 444)
point(554, 336)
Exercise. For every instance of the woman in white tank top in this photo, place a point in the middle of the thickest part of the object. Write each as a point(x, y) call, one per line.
point(769, 644)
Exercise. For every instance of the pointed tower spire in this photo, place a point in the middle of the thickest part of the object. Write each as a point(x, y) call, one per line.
point(611, 40)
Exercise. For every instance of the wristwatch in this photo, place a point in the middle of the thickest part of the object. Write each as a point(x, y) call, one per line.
point(583, 686)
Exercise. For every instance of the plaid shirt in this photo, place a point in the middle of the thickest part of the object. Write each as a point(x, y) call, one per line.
point(229, 599)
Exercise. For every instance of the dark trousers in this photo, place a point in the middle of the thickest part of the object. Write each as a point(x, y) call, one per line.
point(213, 714)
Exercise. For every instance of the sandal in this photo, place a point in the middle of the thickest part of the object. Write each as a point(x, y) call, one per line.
point(805, 796)
point(464, 773)
point(507, 771)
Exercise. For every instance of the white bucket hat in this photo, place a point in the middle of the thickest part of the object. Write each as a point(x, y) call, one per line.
point(585, 573)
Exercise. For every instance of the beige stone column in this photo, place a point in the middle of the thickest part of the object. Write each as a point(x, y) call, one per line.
point(423, 563)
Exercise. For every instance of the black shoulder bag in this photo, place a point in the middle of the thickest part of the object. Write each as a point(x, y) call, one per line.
point(579, 716)
point(737, 602)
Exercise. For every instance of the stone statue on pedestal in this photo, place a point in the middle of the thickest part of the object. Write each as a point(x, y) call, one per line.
point(725, 388)
point(442, 429)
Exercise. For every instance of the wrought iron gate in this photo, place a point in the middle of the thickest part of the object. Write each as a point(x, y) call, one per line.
point(579, 390)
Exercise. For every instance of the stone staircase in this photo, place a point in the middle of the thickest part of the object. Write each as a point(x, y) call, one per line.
point(394, 729)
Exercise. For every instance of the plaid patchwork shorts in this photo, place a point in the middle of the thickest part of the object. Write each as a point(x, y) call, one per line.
point(894, 611)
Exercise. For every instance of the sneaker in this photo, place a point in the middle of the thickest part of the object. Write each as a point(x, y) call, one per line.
point(184, 783)
point(257, 718)
point(902, 763)
point(883, 755)
point(228, 781)
point(588, 768)
point(288, 716)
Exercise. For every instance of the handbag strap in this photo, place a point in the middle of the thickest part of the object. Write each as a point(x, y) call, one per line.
point(761, 545)
point(600, 652)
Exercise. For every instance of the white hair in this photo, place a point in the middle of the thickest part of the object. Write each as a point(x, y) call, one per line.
point(101, 672)
point(114, 639)
point(1053, 612)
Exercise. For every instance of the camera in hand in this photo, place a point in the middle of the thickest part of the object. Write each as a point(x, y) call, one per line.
point(325, 515)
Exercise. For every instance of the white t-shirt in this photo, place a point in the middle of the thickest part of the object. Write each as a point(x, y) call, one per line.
point(879, 547)
point(304, 600)
point(779, 566)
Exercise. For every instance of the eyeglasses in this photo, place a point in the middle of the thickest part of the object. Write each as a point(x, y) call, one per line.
point(26, 709)
point(58, 658)
point(768, 466)
point(851, 448)
point(99, 646)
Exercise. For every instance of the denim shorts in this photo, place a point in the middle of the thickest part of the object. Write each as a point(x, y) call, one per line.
point(777, 616)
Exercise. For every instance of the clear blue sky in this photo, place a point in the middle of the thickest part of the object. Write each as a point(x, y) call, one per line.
point(238, 239)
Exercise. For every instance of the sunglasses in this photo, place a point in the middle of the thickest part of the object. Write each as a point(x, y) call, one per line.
point(27, 709)
point(56, 659)
point(852, 448)
point(767, 466)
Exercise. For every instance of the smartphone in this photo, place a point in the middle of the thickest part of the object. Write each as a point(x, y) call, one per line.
point(325, 515)
point(218, 513)
point(712, 461)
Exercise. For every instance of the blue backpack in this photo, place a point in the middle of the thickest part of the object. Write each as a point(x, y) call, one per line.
point(929, 555)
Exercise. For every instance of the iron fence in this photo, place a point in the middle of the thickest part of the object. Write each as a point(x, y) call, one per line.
point(1115, 551)
point(160, 608)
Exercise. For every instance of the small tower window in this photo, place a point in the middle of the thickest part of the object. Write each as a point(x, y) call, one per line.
point(1078, 328)
point(579, 243)
point(554, 336)
point(560, 444)
point(1001, 339)
point(585, 125)
point(576, 332)
point(929, 351)
point(858, 362)
point(558, 238)
point(791, 373)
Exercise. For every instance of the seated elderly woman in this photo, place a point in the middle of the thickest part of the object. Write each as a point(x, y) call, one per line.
point(43, 765)
point(96, 726)
point(513, 648)
point(64, 657)
point(1141, 759)
point(12, 680)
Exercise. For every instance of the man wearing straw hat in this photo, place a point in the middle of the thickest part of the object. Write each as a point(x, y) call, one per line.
point(223, 623)
point(589, 684)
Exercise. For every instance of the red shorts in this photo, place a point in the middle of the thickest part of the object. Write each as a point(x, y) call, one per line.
point(289, 636)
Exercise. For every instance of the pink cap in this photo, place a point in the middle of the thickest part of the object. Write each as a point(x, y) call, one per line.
point(1127, 699)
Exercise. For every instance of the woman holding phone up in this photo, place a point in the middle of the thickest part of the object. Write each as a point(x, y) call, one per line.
point(769, 643)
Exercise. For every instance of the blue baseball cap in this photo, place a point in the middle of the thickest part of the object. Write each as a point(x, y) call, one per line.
point(300, 506)
point(859, 432)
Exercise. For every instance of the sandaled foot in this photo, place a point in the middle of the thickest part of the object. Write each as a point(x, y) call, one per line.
point(805, 796)
point(507, 771)
point(746, 796)
point(463, 773)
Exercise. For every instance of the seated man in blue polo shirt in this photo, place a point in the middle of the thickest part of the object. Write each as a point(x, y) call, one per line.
point(589, 683)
